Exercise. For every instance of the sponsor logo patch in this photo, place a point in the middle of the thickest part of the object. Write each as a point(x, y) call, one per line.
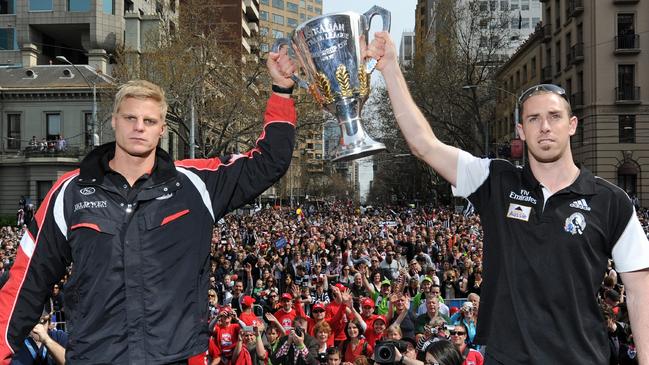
point(87, 191)
point(576, 223)
point(519, 212)
point(166, 196)
point(91, 205)
point(523, 196)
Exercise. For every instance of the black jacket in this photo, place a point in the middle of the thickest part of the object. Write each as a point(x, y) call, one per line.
point(141, 261)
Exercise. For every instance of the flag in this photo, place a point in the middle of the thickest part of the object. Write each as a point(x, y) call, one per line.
point(520, 20)
point(469, 210)
point(280, 243)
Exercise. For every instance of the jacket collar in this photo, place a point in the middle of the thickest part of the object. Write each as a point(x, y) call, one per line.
point(93, 167)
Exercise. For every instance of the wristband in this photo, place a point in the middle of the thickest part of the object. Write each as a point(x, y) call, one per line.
point(282, 90)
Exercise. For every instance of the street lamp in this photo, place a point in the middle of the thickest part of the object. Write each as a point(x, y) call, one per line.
point(516, 112)
point(93, 127)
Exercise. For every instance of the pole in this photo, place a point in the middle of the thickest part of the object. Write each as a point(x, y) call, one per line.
point(192, 144)
point(95, 136)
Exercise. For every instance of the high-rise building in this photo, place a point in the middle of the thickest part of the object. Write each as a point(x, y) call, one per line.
point(84, 31)
point(595, 50)
point(516, 17)
point(278, 18)
point(407, 49)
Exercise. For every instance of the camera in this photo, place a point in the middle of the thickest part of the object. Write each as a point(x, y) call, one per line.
point(384, 351)
point(299, 331)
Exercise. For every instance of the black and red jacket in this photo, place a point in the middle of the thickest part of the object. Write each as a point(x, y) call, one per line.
point(138, 289)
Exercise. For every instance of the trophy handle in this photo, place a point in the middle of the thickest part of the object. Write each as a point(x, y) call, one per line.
point(385, 18)
point(279, 43)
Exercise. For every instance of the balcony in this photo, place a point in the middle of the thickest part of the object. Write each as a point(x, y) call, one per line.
point(627, 44)
point(577, 100)
point(547, 32)
point(627, 95)
point(251, 9)
point(546, 74)
point(576, 7)
point(577, 53)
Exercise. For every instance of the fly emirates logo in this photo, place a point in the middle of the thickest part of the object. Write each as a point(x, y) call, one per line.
point(523, 196)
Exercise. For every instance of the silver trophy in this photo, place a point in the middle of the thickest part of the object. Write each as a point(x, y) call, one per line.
point(328, 48)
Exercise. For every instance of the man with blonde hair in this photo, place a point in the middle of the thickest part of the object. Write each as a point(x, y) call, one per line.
point(138, 228)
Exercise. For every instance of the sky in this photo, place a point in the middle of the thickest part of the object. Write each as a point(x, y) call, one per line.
point(402, 13)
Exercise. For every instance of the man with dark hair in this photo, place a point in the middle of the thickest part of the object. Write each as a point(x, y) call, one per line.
point(550, 227)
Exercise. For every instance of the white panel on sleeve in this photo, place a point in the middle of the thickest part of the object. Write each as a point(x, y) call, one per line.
point(59, 216)
point(631, 251)
point(471, 173)
point(27, 245)
point(200, 186)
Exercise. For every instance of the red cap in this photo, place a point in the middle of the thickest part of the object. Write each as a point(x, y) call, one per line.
point(287, 296)
point(247, 300)
point(340, 287)
point(453, 310)
point(317, 306)
point(234, 277)
point(382, 318)
point(367, 302)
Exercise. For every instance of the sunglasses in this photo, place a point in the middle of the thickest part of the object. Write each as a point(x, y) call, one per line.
point(459, 333)
point(551, 88)
point(318, 311)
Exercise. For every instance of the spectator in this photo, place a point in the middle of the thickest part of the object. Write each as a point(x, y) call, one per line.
point(441, 352)
point(460, 341)
point(297, 348)
point(44, 345)
point(355, 345)
point(322, 332)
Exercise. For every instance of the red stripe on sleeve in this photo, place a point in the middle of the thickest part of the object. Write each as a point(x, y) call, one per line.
point(86, 225)
point(280, 109)
point(174, 216)
point(11, 290)
point(201, 163)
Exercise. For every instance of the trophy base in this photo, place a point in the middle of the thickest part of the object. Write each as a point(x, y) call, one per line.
point(348, 153)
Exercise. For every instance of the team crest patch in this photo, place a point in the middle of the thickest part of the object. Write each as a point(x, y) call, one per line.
point(519, 212)
point(576, 223)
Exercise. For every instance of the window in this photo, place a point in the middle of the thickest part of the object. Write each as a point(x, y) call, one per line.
point(504, 5)
point(279, 4)
point(263, 15)
point(7, 6)
point(264, 47)
point(292, 7)
point(625, 31)
point(318, 10)
point(535, 21)
point(13, 131)
point(263, 31)
point(291, 22)
point(278, 19)
point(79, 5)
point(627, 128)
point(318, 1)
point(264, 2)
point(302, 3)
point(309, 7)
point(483, 6)
point(524, 74)
point(557, 14)
point(41, 5)
point(109, 7)
point(53, 121)
point(525, 4)
point(514, 5)
point(626, 82)
point(302, 17)
point(8, 39)
point(525, 22)
point(277, 33)
point(42, 188)
point(557, 57)
point(533, 67)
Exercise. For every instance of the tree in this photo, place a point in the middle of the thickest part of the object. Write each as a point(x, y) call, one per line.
point(465, 48)
point(199, 66)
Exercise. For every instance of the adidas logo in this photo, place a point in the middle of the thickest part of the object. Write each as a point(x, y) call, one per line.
point(580, 204)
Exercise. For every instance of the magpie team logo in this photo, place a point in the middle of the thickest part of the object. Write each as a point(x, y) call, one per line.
point(575, 224)
point(87, 191)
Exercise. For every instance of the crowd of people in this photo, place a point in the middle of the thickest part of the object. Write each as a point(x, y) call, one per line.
point(331, 283)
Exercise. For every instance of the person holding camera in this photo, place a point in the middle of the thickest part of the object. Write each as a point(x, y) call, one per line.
point(225, 336)
point(296, 348)
point(43, 345)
